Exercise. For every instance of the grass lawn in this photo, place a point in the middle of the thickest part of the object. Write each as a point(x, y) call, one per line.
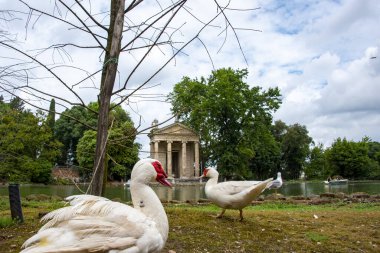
point(269, 227)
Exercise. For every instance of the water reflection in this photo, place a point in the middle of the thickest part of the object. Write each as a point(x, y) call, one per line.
point(196, 192)
point(336, 188)
point(180, 193)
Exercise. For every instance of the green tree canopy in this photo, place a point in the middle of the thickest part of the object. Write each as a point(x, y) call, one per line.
point(225, 111)
point(279, 129)
point(50, 120)
point(295, 149)
point(267, 159)
point(73, 122)
point(69, 128)
point(122, 151)
point(27, 150)
point(374, 155)
point(316, 167)
point(349, 159)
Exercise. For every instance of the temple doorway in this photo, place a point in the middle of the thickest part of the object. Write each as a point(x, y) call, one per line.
point(175, 164)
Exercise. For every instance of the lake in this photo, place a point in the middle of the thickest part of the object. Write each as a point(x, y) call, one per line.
point(195, 192)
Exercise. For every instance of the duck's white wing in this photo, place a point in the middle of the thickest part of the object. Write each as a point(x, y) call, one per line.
point(234, 187)
point(94, 224)
point(231, 196)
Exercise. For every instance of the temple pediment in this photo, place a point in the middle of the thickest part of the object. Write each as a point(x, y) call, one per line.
point(175, 131)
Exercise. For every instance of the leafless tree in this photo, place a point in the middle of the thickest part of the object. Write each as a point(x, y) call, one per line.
point(134, 28)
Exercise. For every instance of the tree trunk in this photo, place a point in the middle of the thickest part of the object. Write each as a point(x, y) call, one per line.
point(107, 84)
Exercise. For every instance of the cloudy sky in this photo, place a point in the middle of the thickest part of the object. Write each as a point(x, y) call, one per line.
point(323, 55)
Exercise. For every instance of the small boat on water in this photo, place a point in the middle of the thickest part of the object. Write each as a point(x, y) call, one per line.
point(336, 180)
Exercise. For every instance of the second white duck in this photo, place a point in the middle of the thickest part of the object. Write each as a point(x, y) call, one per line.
point(232, 194)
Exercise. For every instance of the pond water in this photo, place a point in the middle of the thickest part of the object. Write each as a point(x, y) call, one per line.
point(195, 192)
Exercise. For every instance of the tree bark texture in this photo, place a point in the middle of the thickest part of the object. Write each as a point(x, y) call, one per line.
point(107, 84)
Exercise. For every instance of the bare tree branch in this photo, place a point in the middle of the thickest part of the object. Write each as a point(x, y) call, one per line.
point(133, 5)
point(164, 65)
point(83, 23)
point(57, 18)
point(48, 69)
point(43, 109)
point(233, 29)
point(158, 37)
point(91, 17)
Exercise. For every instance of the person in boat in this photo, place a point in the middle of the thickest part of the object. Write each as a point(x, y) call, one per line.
point(328, 179)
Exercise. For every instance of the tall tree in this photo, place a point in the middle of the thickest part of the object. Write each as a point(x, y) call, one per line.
point(74, 122)
point(50, 120)
point(374, 155)
point(316, 167)
point(27, 150)
point(17, 104)
point(122, 151)
point(224, 110)
point(69, 128)
point(295, 148)
point(279, 129)
point(348, 158)
point(116, 33)
point(266, 161)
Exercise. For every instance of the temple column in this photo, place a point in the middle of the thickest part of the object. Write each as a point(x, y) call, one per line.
point(196, 158)
point(183, 169)
point(156, 150)
point(151, 144)
point(169, 159)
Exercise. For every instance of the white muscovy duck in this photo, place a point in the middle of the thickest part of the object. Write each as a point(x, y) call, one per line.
point(96, 224)
point(232, 194)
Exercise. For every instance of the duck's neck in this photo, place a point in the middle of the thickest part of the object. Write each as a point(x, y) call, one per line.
point(146, 200)
point(211, 182)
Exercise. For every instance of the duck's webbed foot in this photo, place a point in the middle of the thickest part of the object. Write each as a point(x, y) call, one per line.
point(221, 214)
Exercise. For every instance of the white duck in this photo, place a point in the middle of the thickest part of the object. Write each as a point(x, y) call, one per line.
point(232, 194)
point(96, 224)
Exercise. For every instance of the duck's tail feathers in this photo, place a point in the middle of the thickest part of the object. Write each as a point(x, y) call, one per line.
point(254, 191)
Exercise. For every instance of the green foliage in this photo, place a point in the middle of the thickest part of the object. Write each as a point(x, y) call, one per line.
point(355, 160)
point(225, 111)
point(16, 104)
point(74, 122)
point(267, 158)
point(374, 151)
point(279, 129)
point(86, 151)
point(349, 159)
point(295, 149)
point(26, 148)
point(374, 155)
point(316, 167)
point(122, 151)
point(50, 120)
point(69, 128)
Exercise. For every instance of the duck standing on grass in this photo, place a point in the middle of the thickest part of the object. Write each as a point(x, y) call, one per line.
point(232, 194)
point(96, 224)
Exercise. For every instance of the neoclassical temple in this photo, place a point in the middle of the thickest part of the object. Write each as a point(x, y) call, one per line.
point(176, 146)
